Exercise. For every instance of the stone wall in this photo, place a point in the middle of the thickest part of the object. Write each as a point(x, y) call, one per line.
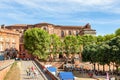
point(4, 72)
point(5, 67)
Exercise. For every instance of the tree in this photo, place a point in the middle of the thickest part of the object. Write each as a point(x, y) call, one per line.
point(117, 32)
point(103, 54)
point(89, 54)
point(100, 39)
point(88, 39)
point(71, 44)
point(115, 49)
point(37, 42)
point(55, 44)
point(109, 37)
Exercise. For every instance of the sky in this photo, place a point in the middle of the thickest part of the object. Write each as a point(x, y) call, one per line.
point(102, 15)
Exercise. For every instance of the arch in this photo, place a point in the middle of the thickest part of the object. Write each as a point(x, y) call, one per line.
point(69, 33)
point(77, 33)
point(62, 33)
point(45, 28)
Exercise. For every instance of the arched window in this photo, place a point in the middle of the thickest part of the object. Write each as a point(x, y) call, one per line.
point(45, 28)
point(70, 33)
point(62, 33)
point(77, 33)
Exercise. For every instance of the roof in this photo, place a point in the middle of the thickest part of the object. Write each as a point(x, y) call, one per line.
point(52, 69)
point(19, 25)
point(66, 75)
point(44, 23)
point(69, 26)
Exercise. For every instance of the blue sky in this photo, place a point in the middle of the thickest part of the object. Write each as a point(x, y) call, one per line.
point(103, 15)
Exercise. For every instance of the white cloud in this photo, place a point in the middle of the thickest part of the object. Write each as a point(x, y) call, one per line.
point(68, 6)
point(59, 9)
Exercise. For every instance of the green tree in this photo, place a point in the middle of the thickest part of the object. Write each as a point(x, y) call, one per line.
point(103, 54)
point(88, 39)
point(100, 39)
point(37, 42)
point(89, 54)
point(71, 44)
point(115, 49)
point(55, 44)
point(117, 32)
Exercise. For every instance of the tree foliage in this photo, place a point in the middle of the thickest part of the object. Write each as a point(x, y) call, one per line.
point(55, 43)
point(117, 32)
point(37, 42)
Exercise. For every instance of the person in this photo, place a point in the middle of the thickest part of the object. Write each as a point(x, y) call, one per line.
point(36, 73)
point(27, 70)
point(32, 68)
point(32, 71)
point(44, 69)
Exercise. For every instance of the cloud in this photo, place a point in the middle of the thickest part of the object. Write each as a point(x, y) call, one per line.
point(67, 6)
point(61, 10)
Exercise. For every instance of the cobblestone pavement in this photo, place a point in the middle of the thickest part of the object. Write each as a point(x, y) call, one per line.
point(29, 64)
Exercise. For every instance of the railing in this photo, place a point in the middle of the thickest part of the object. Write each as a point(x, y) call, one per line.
point(49, 74)
point(40, 71)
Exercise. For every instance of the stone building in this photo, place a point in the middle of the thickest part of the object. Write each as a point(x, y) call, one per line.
point(60, 30)
point(8, 39)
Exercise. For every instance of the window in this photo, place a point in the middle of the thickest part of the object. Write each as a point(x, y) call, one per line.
point(7, 39)
point(77, 33)
point(62, 33)
point(13, 45)
point(69, 33)
point(1, 39)
point(13, 40)
point(44, 28)
point(1, 46)
point(8, 45)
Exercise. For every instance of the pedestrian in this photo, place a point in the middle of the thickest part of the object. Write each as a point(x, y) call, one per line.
point(32, 71)
point(35, 73)
point(27, 70)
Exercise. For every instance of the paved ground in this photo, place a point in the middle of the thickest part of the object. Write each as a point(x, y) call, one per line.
point(24, 66)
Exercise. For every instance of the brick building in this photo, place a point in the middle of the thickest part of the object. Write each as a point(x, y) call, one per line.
point(60, 30)
point(8, 39)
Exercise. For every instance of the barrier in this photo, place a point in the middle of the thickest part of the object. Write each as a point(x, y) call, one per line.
point(4, 68)
point(49, 74)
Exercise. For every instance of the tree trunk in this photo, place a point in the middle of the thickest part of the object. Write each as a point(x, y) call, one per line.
point(109, 67)
point(98, 67)
point(103, 68)
point(80, 56)
point(94, 66)
point(113, 67)
point(117, 68)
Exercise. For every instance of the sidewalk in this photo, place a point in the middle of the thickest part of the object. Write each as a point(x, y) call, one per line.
point(24, 65)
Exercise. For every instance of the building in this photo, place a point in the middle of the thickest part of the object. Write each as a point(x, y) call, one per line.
point(60, 30)
point(8, 39)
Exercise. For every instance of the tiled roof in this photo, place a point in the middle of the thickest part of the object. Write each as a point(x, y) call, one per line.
point(19, 25)
point(43, 23)
point(68, 26)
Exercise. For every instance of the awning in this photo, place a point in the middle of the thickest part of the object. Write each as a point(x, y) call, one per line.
point(66, 76)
